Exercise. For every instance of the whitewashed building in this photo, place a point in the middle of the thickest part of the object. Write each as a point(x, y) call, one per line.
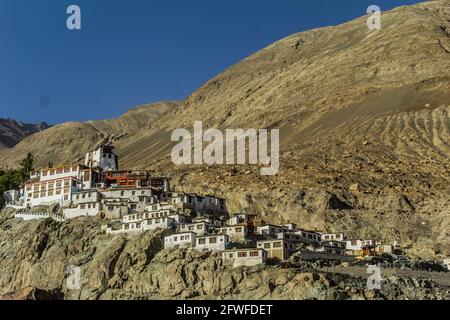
point(103, 157)
point(11, 196)
point(356, 245)
point(184, 239)
point(333, 236)
point(334, 247)
point(84, 203)
point(137, 226)
point(279, 249)
point(237, 219)
point(145, 196)
point(212, 242)
point(215, 223)
point(307, 236)
point(200, 228)
point(48, 192)
point(269, 230)
point(194, 202)
point(236, 233)
point(244, 257)
point(82, 210)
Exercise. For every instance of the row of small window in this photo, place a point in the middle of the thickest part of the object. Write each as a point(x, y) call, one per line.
point(133, 193)
point(83, 196)
point(58, 171)
point(235, 230)
point(244, 254)
point(191, 227)
point(138, 225)
point(332, 237)
point(271, 245)
point(182, 238)
point(212, 240)
point(51, 185)
point(88, 206)
point(50, 193)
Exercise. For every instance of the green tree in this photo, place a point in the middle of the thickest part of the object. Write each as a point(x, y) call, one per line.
point(27, 166)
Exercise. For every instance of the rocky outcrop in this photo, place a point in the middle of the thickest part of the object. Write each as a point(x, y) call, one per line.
point(38, 254)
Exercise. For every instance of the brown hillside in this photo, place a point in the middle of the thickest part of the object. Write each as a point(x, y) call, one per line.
point(354, 106)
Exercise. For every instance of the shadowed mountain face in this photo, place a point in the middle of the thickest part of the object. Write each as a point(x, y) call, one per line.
point(354, 107)
point(12, 131)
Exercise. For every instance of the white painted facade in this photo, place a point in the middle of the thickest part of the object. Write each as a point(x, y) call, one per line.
point(142, 226)
point(50, 192)
point(236, 233)
point(237, 219)
point(86, 209)
point(244, 257)
point(199, 228)
point(309, 236)
point(11, 196)
point(103, 157)
point(212, 242)
point(215, 223)
point(195, 203)
point(140, 195)
point(359, 244)
point(333, 236)
point(290, 227)
point(269, 230)
point(28, 216)
point(185, 239)
point(86, 196)
point(334, 247)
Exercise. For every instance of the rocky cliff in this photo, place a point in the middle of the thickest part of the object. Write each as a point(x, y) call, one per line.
point(37, 254)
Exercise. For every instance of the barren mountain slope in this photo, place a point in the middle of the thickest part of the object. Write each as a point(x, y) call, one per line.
point(344, 82)
point(69, 142)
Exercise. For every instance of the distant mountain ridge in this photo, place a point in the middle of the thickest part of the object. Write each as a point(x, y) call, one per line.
point(13, 131)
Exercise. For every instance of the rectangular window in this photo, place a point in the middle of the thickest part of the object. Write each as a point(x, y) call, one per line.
point(277, 245)
point(254, 254)
point(242, 254)
point(213, 240)
point(201, 241)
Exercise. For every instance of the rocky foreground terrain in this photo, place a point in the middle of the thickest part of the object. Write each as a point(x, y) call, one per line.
point(35, 255)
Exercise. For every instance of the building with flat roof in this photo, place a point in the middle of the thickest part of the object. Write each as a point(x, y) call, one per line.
point(244, 257)
point(184, 239)
point(217, 242)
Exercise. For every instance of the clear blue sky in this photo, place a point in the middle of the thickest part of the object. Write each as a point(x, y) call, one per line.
point(138, 51)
